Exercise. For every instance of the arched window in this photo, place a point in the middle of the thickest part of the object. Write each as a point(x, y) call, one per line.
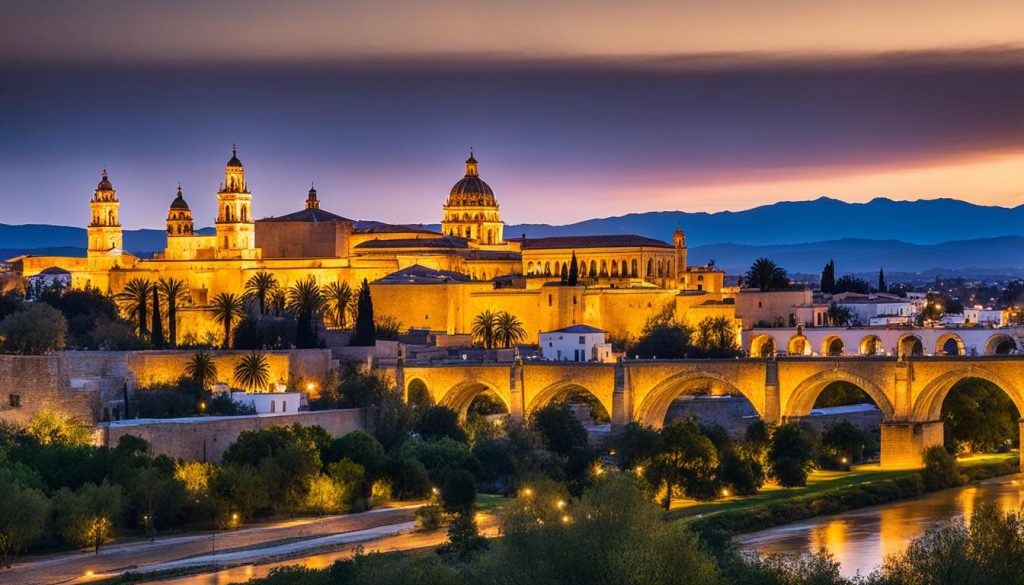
point(661, 269)
point(490, 236)
point(615, 268)
point(604, 268)
point(529, 268)
point(650, 267)
point(565, 271)
point(632, 271)
point(547, 269)
point(593, 269)
point(245, 213)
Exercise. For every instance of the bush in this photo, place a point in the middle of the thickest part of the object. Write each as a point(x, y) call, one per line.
point(843, 444)
point(940, 469)
point(792, 454)
point(35, 330)
point(740, 473)
point(438, 422)
point(429, 517)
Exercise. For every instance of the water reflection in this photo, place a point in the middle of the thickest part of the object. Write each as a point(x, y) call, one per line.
point(861, 539)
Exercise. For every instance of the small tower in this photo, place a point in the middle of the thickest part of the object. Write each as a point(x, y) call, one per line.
point(235, 227)
point(311, 200)
point(104, 230)
point(471, 211)
point(679, 243)
point(179, 217)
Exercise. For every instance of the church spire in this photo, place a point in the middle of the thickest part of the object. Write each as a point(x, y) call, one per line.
point(311, 200)
point(471, 165)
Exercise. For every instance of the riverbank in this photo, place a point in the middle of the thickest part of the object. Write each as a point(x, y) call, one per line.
point(827, 493)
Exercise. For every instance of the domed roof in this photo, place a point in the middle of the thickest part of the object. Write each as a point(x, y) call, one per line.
point(234, 162)
point(104, 184)
point(471, 190)
point(179, 201)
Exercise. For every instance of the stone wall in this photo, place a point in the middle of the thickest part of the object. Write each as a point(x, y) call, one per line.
point(206, 438)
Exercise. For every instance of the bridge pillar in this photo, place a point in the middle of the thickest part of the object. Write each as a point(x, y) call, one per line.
point(400, 379)
point(516, 404)
point(772, 412)
point(622, 399)
point(903, 443)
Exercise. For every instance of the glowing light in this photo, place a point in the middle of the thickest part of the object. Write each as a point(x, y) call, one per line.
point(527, 492)
point(843, 460)
point(435, 491)
point(89, 573)
point(310, 387)
point(560, 504)
point(565, 519)
point(725, 492)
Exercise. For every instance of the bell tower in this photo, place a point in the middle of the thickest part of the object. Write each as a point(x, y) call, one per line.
point(179, 217)
point(311, 201)
point(236, 232)
point(679, 243)
point(105, 238)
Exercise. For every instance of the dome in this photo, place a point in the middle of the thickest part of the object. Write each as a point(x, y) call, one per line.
point(104, 184)
point(234, 162)
point(471, 190)
point(179, 201)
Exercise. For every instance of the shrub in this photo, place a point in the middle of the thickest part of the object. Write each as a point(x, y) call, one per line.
point(741, 473)
point(35, 330)
point(792, 454)
point(940, 469)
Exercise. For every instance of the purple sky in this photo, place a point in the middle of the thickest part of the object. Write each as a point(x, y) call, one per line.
point(572, 114)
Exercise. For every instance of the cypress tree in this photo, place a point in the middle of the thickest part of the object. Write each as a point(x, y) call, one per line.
point(882, 285)
point(828, 278)
point(365, 332)
point(574, 271)
point(157, 331)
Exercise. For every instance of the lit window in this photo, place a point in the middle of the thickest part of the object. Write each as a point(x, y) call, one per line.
point(14, 400)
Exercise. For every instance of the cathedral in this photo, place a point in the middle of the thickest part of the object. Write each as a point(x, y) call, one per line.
point(438, 281)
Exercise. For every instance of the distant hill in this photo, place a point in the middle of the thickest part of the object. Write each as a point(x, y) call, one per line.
point(61, 240)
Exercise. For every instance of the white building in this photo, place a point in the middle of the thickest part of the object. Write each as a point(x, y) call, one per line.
point(980, 316)
point(269, 402)
point(871, 308)
point(576, 343)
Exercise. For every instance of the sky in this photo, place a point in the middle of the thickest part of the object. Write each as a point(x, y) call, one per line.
point(575, 109)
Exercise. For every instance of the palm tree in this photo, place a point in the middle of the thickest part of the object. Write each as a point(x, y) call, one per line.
point(508, 330)
point(252, 372)
point(305, 301)
point(133, 298)
point(339, 299)
point(484, 328)
point(766, 275)
point(176, 292)
point(260, 287)
point(226, 308)
point(278, 301)
point(202, 369)
point(157, 338)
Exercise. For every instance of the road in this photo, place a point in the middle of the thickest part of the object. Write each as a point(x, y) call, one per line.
point(275, 537)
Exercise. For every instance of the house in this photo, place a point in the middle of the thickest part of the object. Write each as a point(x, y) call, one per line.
point(576, 343)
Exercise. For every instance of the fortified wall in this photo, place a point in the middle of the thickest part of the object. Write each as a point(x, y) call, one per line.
point(206, 438)
point(94, 385)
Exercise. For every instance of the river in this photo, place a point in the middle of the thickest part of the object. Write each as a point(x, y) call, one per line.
point(861, 539)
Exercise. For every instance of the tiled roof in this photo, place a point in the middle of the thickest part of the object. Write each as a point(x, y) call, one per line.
point(377, 227)
point(578, 329)
point(443, 242)
point(309, 215)
point(584, 242)
point(417, 274)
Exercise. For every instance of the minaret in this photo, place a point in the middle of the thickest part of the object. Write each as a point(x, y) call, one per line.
point(311, 200)
point(235, 227)
point(179, 217)
point(679, 242)
point(104, 230)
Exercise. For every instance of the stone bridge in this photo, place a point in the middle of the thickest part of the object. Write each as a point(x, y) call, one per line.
point(909, 391)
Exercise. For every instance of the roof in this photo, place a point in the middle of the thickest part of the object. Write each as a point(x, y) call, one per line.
point(492, 255)
point(417, 274)
point(54, 270)
point(583, 242)
point(377, 227)
point(442, 242)
point(312, 214)
point(577, 329)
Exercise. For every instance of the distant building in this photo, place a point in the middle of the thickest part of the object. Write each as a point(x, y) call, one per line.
point(576, 343)
point(52, 276)
point(981, 316)
point(877, 307)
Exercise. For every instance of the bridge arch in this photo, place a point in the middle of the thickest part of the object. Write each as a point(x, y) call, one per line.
point(950, 344)
point(833, 346)
point(762, 346)
point(550, 393)
point(1000, 344)
point(799, 345)
point(417, 392)
point(871, 345)
point(928, 406)
point(802, 399)
point(909, 345)
point(461, 395)
point(652, 410)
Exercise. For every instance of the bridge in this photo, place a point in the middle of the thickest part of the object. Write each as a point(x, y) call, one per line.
point(908, 391)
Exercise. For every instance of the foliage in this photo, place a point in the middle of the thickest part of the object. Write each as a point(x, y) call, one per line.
point(265, 332)
point(438, 422)
point(23, 514)
point(157, 331)
point(765, 275)
point(883, 286)
point(84, 309)
point(842, 393)
point(305, 301)
point(37, 329)
point(176, 294)
point(227, 308)
point(202, 369)
point(686, 462)
point(573, 278)
point(978, 416)
point(849, 283)
point(828, 278)
point(843, 444)
point(356, 388)
point(840, 315)
point(243, 488)
point(50, 427)
point(388, 328)
point(484, 329)
point(252, 372)
point(365, 333)
point(340, 303)
point(716, 338)
point(259, 289)
point(509, 330)
point(134, 300)
point(940, 469)
point(662, 336)
point(561, 431)
point(88, 516)
point(792, 454)
point(741, 472)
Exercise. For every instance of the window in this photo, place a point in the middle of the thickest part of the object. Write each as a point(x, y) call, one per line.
point(273, 407)
point(14, 400)
point(583, 340)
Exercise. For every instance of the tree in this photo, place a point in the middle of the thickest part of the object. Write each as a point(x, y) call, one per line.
point(508, 330)
point(662, 336)
point(339, 299)
point(849, 283)
point(227, 307)
point(792, 454)
point(940, 469)
point(157, 331)
point(243, 487)
point(978, 416)
point(574, 271)
point(766, 275)
point(882, 286)
point(305, 301)
point(252, 372)
point(561, 430)
point(828, 278)
point(388, 328)
point(176, 293)
point(687, 461)
point(259, 289)
point(365, 333)
point(134, 298)
point(88, 516)
point(35, 330)
point(741, 472)
point(716, 338)
point(23, 514)
point(840, 315)
point(485, 329)
point(438, 422)
point(458, 494)
point(843, 444)
point(49, 427)
point(202, 369)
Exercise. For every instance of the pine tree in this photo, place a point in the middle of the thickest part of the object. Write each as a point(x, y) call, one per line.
point(882, 285)
point(365, 333)
point(574, 271)
point(828, 278)
point(158, 325)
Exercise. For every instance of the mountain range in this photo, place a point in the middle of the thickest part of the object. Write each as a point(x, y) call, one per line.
point(936, 235)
